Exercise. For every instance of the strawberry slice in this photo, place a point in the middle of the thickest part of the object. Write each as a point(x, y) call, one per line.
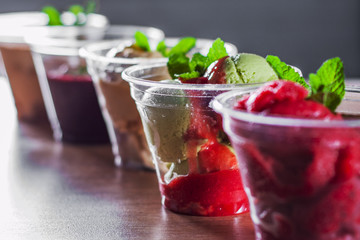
point(214, 156)
point(274, 92)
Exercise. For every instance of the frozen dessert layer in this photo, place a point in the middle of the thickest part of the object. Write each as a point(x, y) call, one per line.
point(284, 98)
point(24, 82)
point(79, 115)
point(213, 194)
point(167, 120)
point(303, 181)
point(129, 136)
point(241, 68)
point(253, 68)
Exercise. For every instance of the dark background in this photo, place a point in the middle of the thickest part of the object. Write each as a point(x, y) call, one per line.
point(303, 33)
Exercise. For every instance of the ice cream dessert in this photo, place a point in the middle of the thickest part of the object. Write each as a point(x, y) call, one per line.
point(130, 147)
point(75, 103)
point(24, 84)
point(197, 168)
point(18, 64)
point(299, 159)
point(16, 55)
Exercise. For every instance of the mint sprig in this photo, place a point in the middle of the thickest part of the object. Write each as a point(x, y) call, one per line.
point(162, 48)
point(285, 71)
point(183, 46)
point(198, 64)
point(142, 41)
point(328, 84)
point(178, 64)
point(216, 52)
point(76, 9)
point(53, 14)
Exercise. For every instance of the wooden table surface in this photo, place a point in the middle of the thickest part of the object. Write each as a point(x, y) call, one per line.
point(51, 190)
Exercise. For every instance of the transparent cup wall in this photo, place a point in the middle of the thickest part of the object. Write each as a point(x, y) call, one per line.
point(18, 63)
point(69, 92)
point(301, 176)
point(119, 110)
point(126, 132)
point(70, 99)
point(20, 71)
point(180, 129)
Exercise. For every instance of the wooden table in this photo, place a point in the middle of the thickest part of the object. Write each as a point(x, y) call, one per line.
point(52, 191)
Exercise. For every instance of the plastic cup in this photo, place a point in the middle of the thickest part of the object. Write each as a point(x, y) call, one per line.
point(68, 90)
point(197, 173)
point(301, 176)
point(18, 63)
point(126, 132)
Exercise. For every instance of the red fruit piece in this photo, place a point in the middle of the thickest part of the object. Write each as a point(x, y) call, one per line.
point(214, 156)
point(302, 109)
point(322, 168)
point(348, 165)
point(216, 73)
point(334, 210)
point(199, 80)
point(274, 92)
point(241, 104)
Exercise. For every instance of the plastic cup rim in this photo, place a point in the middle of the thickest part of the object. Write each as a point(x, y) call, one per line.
point(220, 105)
point(87, 51)
point(127, 76)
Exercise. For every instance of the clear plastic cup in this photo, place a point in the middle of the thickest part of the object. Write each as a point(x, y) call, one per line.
point(302, 176)
point(68, 90)
point(197, 171)
point(126, 132)
point(18, 63)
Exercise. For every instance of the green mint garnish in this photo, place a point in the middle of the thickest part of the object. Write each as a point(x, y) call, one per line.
point(162, 48)
point(76, 9)
point(285, 71)
point(178, 64)
point(328, 84)
point(216, 52)
point(141, 41)
point(183, 46)
point(198, 64)
point(53, 14)
point(189, 75)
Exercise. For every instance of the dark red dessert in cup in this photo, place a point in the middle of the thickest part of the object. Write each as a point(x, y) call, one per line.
point(299, 160)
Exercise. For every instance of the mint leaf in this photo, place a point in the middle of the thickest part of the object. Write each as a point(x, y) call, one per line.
point(328, 84)
point(189, 75)
point(216, 52)
point(178, 64)
point(76, 9)
point(53, 14)
point(285, 71)
point(198, 62)
point(142, 41)
point(162, 48)
point(183, 46)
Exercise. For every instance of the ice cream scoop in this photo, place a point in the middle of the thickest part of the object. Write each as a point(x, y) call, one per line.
point(164, 126)
point(241, 68)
